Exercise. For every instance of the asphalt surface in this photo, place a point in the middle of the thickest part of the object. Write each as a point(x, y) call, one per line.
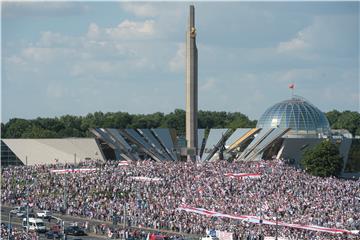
point(16, 222)
point(68, 220)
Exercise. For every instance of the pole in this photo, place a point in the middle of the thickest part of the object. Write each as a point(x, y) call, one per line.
point(124, 215)
point(276, 233)
point(75, 159)
point(63, 229)
point(261, 205)
point(65, 190)
point(9, 230)
point(27, 199)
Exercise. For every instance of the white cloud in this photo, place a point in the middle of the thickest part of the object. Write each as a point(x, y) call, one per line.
point(140, 9)
point(17, 9)
point(52, 39)
point(91, 68)
point(295, 44)
point(130, 29)
point(102, 53)
point(331, 35)
point(297, 75)
point(16, 60)
point(38, 54)
point(93, 31)
point(209, 84)
point(177, 63)
point(55, 91)
point(45, 54)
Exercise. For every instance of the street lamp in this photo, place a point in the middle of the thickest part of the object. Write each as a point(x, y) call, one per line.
point(27, 199)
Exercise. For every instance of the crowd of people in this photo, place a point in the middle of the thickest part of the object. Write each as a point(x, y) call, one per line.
point(121, 232)
point(16, 233)
point(147, 194)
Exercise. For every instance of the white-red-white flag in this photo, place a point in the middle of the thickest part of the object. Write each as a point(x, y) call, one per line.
point(123, 163)
point(243, 175)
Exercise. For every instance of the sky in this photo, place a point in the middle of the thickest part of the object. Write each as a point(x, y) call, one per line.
point(76, 58)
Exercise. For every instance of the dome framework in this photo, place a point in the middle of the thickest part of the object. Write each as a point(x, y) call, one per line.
point(295, 113)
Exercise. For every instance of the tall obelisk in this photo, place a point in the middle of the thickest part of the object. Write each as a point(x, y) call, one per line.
point(191, 86)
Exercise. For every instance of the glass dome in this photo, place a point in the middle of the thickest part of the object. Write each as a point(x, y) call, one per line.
point(296, 113)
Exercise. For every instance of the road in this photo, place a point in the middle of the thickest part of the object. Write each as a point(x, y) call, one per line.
point(16, 222)
point(71, 219)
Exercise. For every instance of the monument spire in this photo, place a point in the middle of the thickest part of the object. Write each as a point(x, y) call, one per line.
point(191, 86)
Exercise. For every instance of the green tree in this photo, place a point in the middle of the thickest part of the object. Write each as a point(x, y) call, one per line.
point(3, 129)
point(239, 120)
point(333, 116)
point(38, 132)
point(52, 124)
point(348, 120)
point(176, 120)
point(122, 119)
point(16, 127)
point(323, 160)
point(345, 120)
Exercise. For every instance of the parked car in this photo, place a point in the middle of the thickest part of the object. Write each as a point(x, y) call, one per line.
point(44, 214)
point(35, 224)
point(19, 211)
point(15, 209)
point(75, 230)
point(53, 235)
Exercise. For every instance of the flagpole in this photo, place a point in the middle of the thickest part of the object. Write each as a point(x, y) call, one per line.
point(292, 87)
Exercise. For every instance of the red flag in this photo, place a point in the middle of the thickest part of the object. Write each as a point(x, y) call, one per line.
point(291, 85)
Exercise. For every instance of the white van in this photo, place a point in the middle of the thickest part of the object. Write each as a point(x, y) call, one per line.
point(44, 214)
point(35, 224)
point(209, 238)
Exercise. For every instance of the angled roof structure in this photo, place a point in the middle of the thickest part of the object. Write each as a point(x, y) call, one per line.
point(51, 151)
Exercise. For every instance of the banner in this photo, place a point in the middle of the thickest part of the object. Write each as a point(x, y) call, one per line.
point(123, 163)
point(243, 175)
point(222, 235)
point(256, 220)
point(75, 170)
point(146, 179)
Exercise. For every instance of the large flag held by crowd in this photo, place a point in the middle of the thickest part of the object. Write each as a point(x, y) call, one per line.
point(73, 170)
point(123, 163)
point(146, 179)
point(243, 175)
point(256, 220)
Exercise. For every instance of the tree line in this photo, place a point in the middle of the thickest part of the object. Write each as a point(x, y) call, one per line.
point(78, 126)
point(345, 120)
